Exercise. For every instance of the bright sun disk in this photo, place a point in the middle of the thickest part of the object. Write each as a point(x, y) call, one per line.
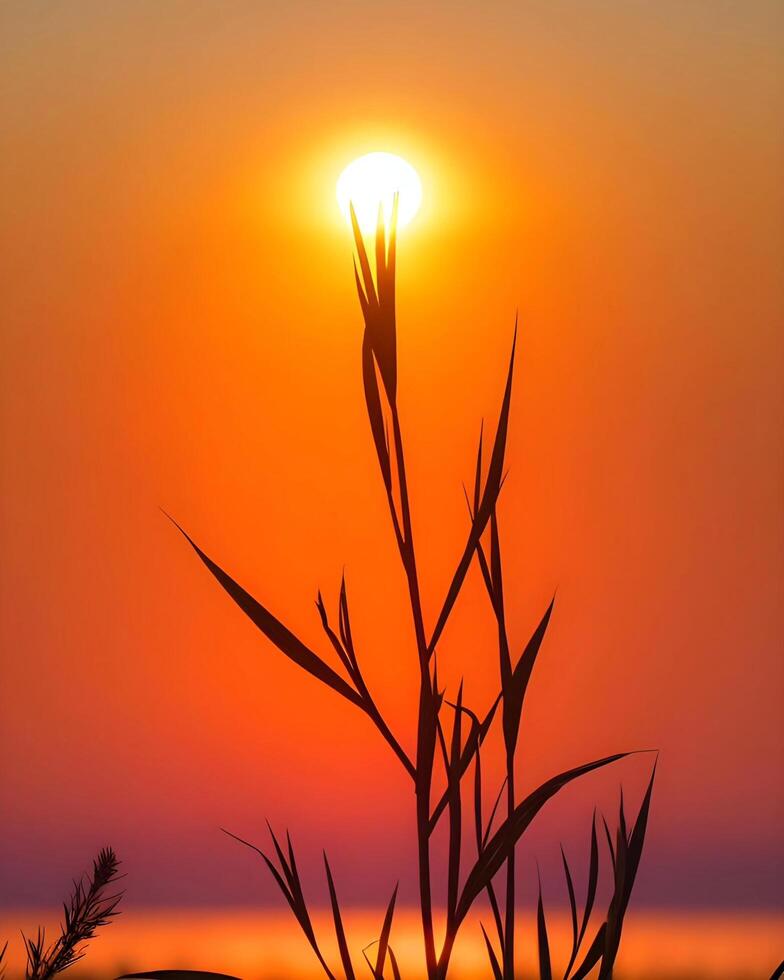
point(372, 180)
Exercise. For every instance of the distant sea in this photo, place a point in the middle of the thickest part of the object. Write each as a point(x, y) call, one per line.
point(265, 945)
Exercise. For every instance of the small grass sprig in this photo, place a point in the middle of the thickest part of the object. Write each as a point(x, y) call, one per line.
point(91, 905)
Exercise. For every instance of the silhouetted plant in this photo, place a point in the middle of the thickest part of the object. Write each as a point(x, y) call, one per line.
point(453, 747)
point(88, 908)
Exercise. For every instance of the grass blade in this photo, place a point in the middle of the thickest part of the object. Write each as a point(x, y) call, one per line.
point(515, 695)
point(593, 955)
point(290, 888)
point(545, 967)
point(395, 967)
point(340, 932)
point(486, 505)
point(590, 897)
point(513, 827)
point(628, 854)
point(374, 410)
point(494, 964)
point(364, 264)
point(572, 908)
point(273, 629)
point(386, 929)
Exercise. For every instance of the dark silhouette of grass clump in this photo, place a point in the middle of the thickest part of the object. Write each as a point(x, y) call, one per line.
point(91, 904)
point(449, 736)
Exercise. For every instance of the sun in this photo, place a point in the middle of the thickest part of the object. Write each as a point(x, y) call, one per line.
point(372, 180)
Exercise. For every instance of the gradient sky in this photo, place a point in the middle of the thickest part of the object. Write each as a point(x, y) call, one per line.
point(180, 330)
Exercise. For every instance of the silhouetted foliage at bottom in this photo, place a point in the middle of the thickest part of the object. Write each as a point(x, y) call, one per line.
point(90, 905)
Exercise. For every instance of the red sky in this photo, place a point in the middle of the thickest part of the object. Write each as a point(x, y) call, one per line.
point(180, 330)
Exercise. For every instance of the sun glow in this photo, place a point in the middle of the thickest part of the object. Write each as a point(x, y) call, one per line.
point(372, 180)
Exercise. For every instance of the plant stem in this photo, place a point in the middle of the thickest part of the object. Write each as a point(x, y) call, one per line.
point(509, 923)
point(426, 729)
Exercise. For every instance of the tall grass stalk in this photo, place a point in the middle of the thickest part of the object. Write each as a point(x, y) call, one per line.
point(449, 736)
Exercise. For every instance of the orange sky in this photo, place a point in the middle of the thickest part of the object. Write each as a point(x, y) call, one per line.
point(180, 330)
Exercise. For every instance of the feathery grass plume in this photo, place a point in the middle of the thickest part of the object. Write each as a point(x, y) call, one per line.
point(89, 907)
point(447, 748)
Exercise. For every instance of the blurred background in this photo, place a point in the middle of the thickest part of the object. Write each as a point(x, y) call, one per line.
point(180, 330)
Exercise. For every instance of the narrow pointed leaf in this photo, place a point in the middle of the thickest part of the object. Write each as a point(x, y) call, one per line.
point(364, 264)
point(340, 933)
point(493, 812)
point(374, 410)
point(511, 830)
point(515, 694)
point(572, 905)
point(628, 854)
point(273, 629)
point(545, 968)
point(593, 880)
point(475, 739)
point(483, 512)
point(610, 844)
point(593, 955)
point(386, 929)
point(494, 964)
point(395, 967)
point(478, 474)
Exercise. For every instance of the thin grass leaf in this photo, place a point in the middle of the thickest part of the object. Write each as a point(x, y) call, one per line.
point(344, 647)
point(364, 264)
point(395, 967)
point(593, 880)
point(475, 739)
point(610, 844)
point(480, 838)
point(628, 855)
point(513, 827)
point(344, 624)
point(290, 888)
point(593, 955)
point(340, 932)
point(545, 967)
point(273, 629)
point(493, 813)
point(383, 941)
point(483, 511)
point(572, 909)
point(377, 300)
point(363, 300)
point(337, 646)
point(375, 412)
point(637, 837)
point(622, 819)
point(514, 692)
point(494, 964)
point(478, 473)
point(381, 252)
point(455, 808)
